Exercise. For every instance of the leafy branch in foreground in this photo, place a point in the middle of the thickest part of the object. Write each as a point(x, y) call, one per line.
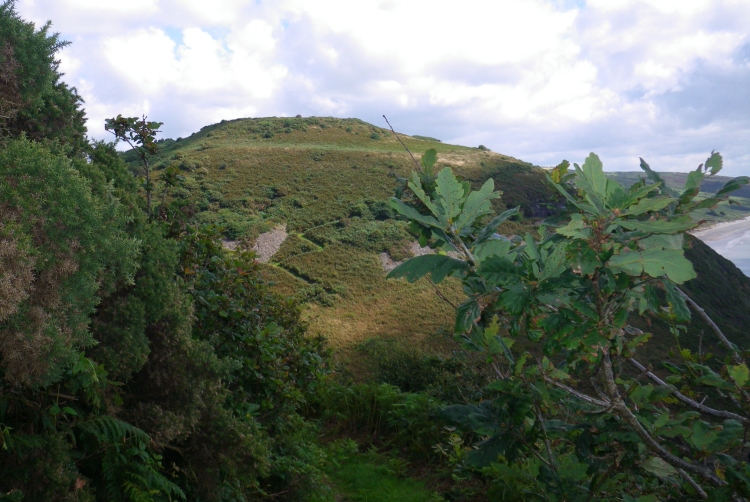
point(576, 407)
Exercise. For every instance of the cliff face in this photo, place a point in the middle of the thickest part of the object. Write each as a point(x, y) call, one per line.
point(722, 289)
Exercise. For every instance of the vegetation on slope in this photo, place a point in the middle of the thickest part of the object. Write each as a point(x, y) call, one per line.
point(142, 360)
point(139, 360)
point(580, 417)
point(329, 180)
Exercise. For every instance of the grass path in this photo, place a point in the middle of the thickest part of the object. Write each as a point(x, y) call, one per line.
point(371, 477)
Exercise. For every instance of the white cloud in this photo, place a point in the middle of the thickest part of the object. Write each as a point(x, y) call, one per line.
point(129, 7)
point(527, 77)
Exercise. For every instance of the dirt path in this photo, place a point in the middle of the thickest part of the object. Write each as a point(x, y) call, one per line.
point(269, 243)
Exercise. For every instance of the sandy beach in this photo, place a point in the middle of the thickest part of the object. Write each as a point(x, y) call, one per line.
point(721, 230)
point(731, 240)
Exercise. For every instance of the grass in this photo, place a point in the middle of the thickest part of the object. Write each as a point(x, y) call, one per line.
point(329, 181)
point(371, 477)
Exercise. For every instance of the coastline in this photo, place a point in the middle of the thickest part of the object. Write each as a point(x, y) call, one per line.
point(720, 230)
point(731, 240)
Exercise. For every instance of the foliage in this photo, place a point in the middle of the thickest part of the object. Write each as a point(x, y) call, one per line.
point(570, 293)
point(139, 359)
point(408, 422)
point(456, 378)
point(372, 477)
point(140, 135)
point(66, 247)
point(61, 245)
point(34, 100)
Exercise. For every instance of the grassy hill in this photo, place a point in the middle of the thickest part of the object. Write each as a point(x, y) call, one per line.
point(328, 180)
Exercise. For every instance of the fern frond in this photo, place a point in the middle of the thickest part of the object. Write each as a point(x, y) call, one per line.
point(111, 430)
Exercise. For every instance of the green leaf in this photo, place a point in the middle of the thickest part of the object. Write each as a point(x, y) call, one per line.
point(438, 266)
point(413, 214)
point(656, 263)
point(702, 435)
point(654, 176)
point(558, 173)
point(740, 374)
point(477, 204)
point(646, 205)
point(576, 228)
point(677, 301)
point(714, 163)
point(532, 250)
point(583, 259)
point(673, 226)
point(429, 158)
point(416, 186)
point(515, 298)
point(659, 467)
point(554, 263)
point(594, 172)
point(497, 270)
point(487, 231)
point(636, 193)
point(493, 247)
point(732, 185)
point(693, 183)
point(450, 195)
point(708, 203)
point(713, 380)
point(583, 206)
point(465, 315)
point(662, 241)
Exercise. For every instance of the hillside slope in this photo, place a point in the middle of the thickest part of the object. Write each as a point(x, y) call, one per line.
point(327, 181)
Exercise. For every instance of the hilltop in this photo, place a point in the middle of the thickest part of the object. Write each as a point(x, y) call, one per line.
point(325, 183)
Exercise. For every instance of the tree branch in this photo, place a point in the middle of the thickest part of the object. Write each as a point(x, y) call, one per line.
point(692, 483)
point(419, 166)
point(652, 444)
point(579, 395)
point(724, 340)
point(690, 402)
point(440, 294)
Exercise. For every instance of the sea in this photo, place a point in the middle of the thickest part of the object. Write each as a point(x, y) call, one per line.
point(731, 240)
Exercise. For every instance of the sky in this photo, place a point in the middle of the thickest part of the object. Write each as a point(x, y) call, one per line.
point(540, 80)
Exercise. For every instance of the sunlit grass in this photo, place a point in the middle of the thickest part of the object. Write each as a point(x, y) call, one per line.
point(329, 180)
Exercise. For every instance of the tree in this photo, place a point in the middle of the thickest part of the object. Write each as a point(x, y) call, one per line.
point(140, 134)
point(576, 397)
point(33, 100)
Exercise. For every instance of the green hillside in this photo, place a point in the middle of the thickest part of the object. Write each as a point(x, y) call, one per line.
point(145, 355)
point(328, 181)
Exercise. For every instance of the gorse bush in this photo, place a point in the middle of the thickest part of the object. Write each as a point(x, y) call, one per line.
point(570, 418)
point(139, 360)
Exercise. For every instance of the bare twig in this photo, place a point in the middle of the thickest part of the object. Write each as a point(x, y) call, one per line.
point(690, 402)
point(621, 408)
point(724, 340)
point(579, 395)
point(440, 294)
point(62, 396)
point(419, 166)
point(692, 483)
